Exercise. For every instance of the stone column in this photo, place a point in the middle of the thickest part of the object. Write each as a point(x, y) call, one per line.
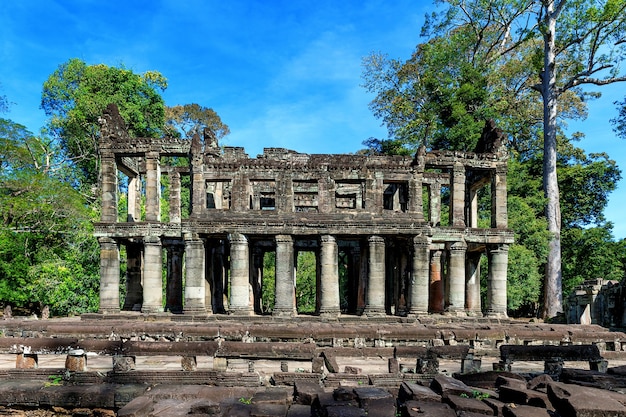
point(496, 284)
point(473, 208)
point(195, 297)
point(436, 300)
point(239, 274)
point(329, 260)
point(456, 269)
point(174, 288)
point(153, 187)
point(434, 196)
point(472, 284)
point(108, 172)
point(152, 276)
point(420, 276)
point(134, 272)
point(175, 197)
point(457, 195)
point(134, 199)
point(499, 217)
point(109, 276)
point(198, 186)
point(416, 201)
point(375, 297)
point(284, 304)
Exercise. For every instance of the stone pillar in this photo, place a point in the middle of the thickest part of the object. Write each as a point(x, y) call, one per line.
point(108, 172)
point(457, 196)
point(134, 199)
point(375, 297)
point(472, 284)
point(239, 275)
point(284, 304)
point(175, 197)
point(329, 260)
point(420, 276)
point(153, 187)
point(499, 217)
point(195, 297)
point(198, 186)
point(416, 203)
point(473, 208)
point(152, 276)
point(134, 272)
point(434, 195)
point(456, 270)
point(436, 298)
point(174, 287)
point(109, 275)
point(496, 281)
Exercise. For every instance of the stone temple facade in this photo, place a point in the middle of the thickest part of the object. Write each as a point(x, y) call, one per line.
point(404, 229)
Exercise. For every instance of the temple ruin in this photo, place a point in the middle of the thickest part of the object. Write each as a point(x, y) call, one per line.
point(403, 232)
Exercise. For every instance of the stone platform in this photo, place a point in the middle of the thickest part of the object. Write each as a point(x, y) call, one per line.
point(125, 358)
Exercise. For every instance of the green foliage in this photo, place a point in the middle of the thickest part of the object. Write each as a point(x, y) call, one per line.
point(269, 282)
point(47, 252)
point(306, 295)
point(75, 95)
point(190, 119)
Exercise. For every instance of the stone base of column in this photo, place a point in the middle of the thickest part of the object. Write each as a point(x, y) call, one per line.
point(194, 310)
point(147, 309)
point(279, 312)
point(241, 312)
point(417, 312)
point(374, 312)
point(109, 310)
point(456, 313)
point(474, 313)
point(497, 314)
point(330, 313)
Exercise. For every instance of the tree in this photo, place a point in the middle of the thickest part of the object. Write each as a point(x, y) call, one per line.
point(190, 119)
point(583, 44)
point(75, 95)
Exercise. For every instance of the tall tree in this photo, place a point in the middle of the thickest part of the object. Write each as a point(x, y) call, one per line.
point(75, 95)
point(583, 43)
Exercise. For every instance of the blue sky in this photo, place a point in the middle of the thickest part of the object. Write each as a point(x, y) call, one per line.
point(279, 73)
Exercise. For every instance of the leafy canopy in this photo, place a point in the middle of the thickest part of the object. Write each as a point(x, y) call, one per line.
point(75, 95)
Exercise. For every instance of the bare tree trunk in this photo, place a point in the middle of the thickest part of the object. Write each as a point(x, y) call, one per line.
point(553, 294)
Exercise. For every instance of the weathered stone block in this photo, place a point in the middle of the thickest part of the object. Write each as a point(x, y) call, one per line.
point(188, 363)
point(26, 361)
point(415, 392)
point(123, 363)
point(430, 409)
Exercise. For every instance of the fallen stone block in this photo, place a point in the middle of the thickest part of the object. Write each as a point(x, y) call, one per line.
point(306, 392)
point(299, 410)
point(577, 401)
point(473, 405)
point(524, 396)
point(514, 410)
point(414, 392)
point(430, 409)
point(345, 411)
point(447, 386)
point(273, 395)
point(139, 407)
